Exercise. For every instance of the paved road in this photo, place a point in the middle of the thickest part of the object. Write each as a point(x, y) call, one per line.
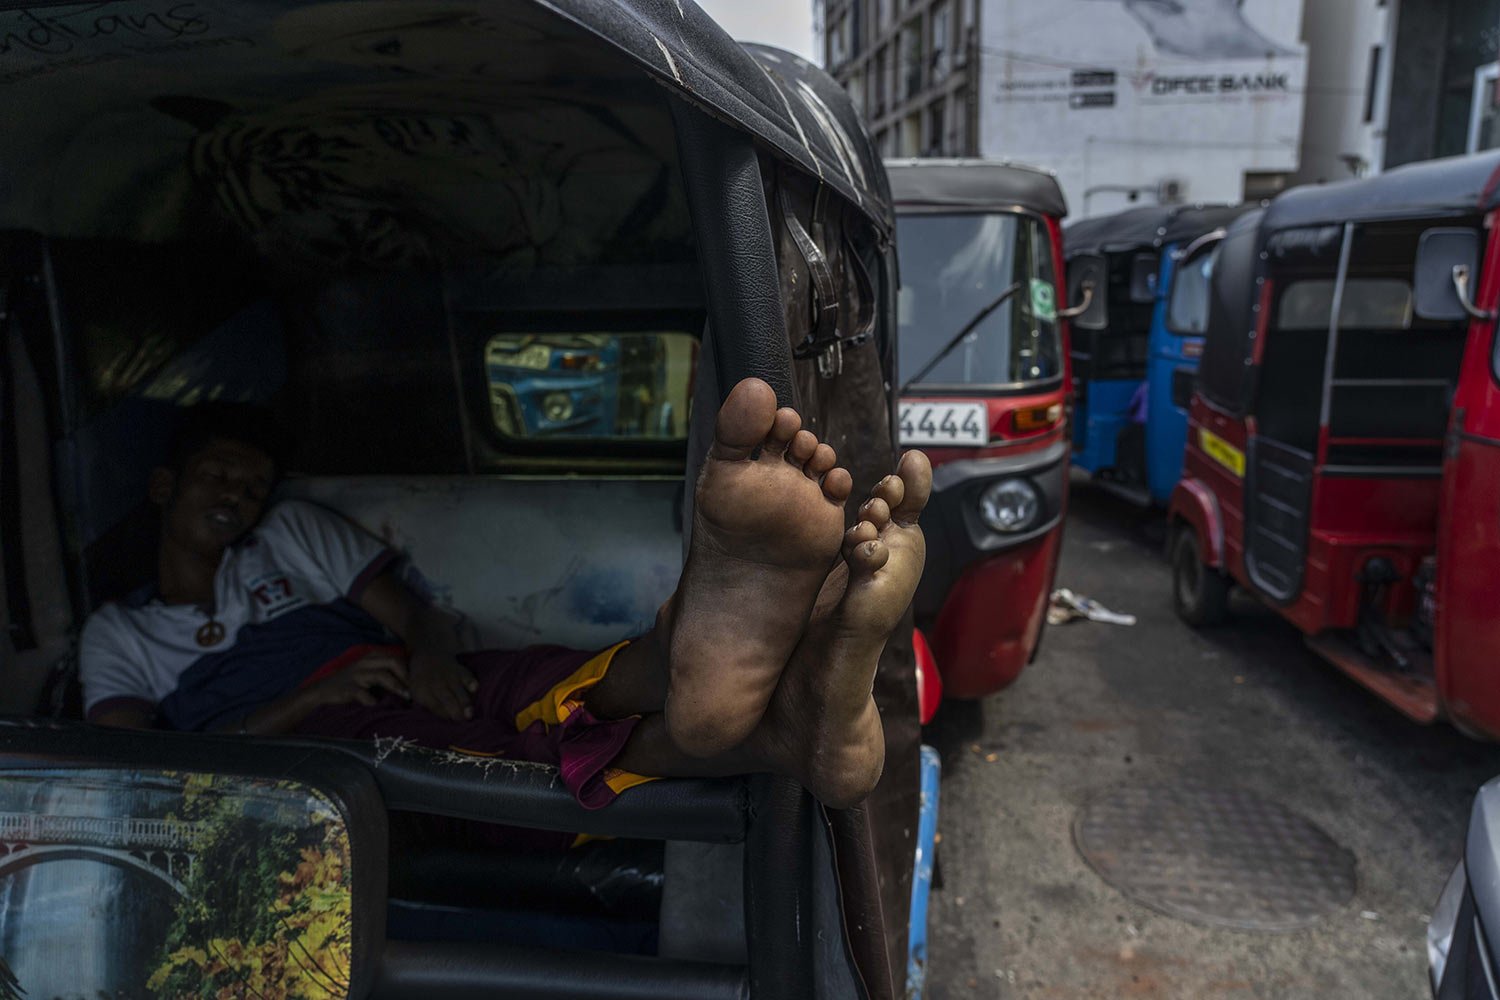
point(1018, 913)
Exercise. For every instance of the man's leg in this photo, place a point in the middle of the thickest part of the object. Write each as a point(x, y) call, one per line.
point(767, 520)
point(821, 725)
point(597, 715)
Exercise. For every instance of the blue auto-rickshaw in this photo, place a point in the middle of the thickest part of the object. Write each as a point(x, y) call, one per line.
point(1144, 273)
point(555, 384)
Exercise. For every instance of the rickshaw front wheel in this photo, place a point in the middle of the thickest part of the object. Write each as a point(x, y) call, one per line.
point(1199, 593)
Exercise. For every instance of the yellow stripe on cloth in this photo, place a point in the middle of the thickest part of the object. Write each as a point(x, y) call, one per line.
point(618, 780)
point(562, 698)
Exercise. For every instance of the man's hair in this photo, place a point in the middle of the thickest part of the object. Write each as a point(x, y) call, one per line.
point(202, 424)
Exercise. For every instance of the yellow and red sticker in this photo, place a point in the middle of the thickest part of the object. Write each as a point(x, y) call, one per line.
point(1222, 451)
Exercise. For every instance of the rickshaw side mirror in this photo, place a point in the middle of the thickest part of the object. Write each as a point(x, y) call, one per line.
point(1143, 270)
point(1446, 276)
point(1087, 307)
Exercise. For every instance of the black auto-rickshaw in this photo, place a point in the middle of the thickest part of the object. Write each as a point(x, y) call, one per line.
point(340, 211)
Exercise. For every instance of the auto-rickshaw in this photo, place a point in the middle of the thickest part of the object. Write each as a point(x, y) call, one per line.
point(1136, 346)
point(345, 211)
point(1341, 458)
point(983, 362)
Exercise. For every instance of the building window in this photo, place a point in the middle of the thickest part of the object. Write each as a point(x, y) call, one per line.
point(1261, 185)
point(911, 134)
point(882, 15)
point(960, 144)
point(838, 43)
point(911, 58)
point(882, 82)
point(1372, 84)
point(936, 128)
point(942, 36)
point(857, 94)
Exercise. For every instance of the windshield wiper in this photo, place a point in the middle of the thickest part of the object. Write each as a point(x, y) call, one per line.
point(968, 328)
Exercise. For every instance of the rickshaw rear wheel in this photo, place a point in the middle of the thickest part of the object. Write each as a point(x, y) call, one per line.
point(1200, 593)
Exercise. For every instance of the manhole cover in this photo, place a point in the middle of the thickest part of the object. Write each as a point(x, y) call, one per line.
point(1215, 856)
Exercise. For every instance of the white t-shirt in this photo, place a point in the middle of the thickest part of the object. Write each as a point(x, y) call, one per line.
point(285, 596)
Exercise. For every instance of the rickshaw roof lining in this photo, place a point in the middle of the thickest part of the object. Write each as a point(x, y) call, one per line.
point(120, 94)
point(1147, 227)
point(974, 185)
point(1432, 189)
point(776, 96)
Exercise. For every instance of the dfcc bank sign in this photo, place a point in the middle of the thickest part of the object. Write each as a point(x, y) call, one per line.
point(1261, 83)
point(1124, 96)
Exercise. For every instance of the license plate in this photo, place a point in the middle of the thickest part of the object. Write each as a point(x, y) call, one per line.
point(958, 425)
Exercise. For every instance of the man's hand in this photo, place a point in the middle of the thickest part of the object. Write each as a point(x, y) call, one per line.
point(439, 683)
point(442, 685)
point(361, 680)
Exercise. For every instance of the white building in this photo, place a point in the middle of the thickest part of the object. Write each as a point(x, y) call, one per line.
point(1129, 101)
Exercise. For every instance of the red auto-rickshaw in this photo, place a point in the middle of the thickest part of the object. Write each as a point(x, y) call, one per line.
point(983, 362)
point(1343, 456)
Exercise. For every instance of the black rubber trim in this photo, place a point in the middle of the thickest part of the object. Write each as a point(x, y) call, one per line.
point(18, 617)
point(779, 916)
point(708, 810)
point(485, 971)
point(736, 253)
point(417, 780)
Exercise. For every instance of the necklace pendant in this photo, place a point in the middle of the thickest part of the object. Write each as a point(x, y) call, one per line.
point(210, 633)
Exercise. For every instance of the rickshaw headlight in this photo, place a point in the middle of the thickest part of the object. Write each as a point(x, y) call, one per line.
point(536, 356)
point(557, 406)
point(1010, 505)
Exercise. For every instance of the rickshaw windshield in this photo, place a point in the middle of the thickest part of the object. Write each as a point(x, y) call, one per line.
point(952, 268)
point(1187, 311)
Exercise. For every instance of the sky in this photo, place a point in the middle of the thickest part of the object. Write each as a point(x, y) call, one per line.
point(784, 23)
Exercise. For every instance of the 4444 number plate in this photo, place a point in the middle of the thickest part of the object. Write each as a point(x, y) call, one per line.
point(957, 425)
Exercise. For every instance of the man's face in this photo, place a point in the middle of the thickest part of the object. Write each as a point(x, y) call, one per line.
point(217, 497)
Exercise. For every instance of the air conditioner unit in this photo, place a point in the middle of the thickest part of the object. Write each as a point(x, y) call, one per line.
point(1171, 190)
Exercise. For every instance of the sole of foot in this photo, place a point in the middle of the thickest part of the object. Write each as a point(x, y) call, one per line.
point(823, 726)
point(767, 521)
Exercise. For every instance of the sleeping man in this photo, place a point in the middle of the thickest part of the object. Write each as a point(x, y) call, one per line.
point(292, 620)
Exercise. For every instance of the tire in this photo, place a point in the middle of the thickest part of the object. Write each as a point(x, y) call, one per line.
point(1200, 593)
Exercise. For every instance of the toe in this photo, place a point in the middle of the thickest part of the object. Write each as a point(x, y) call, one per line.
point(838, 484)
point(744, 420)
point(783, 429)
point(876, 511)
point(862, 532)
point(804, 445)
point(823, 459)
point(891, 490)
point(867, 557)
point(916, 478)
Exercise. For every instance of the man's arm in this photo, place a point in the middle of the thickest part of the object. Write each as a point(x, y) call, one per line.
point(439, 683)
point(357, 683)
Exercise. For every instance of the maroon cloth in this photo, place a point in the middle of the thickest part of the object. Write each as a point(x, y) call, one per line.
point(509, 681)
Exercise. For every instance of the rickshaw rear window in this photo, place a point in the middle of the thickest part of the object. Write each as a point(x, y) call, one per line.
point(952, 268)
point(1368, 304)
point(1187, 311)
point(590, 385)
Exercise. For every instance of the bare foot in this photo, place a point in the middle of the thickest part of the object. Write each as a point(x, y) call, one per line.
point(766, 526)
point(822, 726)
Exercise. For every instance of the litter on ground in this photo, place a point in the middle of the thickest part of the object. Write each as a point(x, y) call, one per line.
point(1067, 606)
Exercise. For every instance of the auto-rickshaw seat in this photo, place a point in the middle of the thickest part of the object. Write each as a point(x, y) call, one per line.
point(574, 561)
